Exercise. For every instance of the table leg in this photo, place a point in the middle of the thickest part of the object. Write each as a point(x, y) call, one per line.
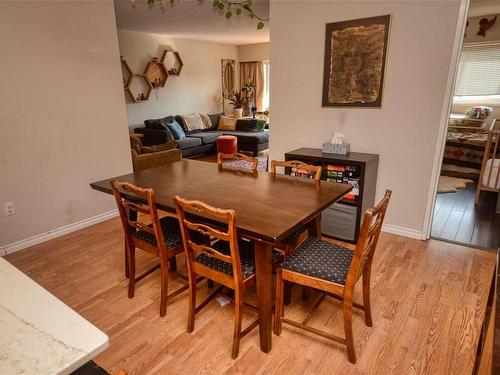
point(314, 227)
point(264, 274)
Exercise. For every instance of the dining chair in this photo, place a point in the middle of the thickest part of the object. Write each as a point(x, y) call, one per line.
point(162, 237)
point(228, 260)
point(334, 270)
point(243, 159)
point(288, 244)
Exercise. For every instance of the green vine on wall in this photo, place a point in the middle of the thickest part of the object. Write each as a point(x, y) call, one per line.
point(231, 8)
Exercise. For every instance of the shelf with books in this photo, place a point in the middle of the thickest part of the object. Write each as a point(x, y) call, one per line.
point(342, 220)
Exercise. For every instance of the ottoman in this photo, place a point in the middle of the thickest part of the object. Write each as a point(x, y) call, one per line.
point(227, 144)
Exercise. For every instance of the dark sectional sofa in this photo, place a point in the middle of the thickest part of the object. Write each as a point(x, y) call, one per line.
point(204, 141)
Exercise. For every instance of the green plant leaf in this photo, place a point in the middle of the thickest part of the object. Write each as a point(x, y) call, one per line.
point(220, 5)
point(229, 14)
point(238, 11)
point(260, 25)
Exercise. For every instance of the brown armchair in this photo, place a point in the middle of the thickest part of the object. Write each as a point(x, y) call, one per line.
point(152, 156)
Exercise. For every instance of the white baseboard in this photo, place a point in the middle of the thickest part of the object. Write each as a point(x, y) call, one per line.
point(401, 231)
point(54, 233)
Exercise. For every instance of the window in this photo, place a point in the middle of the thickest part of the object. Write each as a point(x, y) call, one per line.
point(479, 70)
point(265, 95)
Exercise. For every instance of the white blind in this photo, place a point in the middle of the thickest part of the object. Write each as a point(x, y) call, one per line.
point(479, 70)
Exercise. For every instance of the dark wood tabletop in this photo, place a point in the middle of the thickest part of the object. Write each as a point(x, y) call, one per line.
point(268, 207)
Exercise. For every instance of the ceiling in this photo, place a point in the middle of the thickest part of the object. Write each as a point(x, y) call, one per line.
point(192, 20)
point(480, 8)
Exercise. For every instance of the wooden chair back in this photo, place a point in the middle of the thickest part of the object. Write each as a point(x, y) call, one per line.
point(367, 242)
point(297, 164)
point(221, 158)
point(128, 198)
point(192, 249)
point(489, 177)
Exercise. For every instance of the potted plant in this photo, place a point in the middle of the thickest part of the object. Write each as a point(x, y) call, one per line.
point(236, 99)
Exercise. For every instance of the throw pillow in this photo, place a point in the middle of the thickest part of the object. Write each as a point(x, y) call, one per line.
point(245, 124)
point(158, 148)
point(260, 125)
point(193, 121)
point(214, 119)
point(159, 123)
point(206, 120)
point(176, 130)
point(227, 123)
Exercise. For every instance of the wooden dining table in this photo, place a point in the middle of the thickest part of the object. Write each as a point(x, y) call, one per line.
point(268, 208)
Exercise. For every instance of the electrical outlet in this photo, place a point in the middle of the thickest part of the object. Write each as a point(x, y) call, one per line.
point(9, 208)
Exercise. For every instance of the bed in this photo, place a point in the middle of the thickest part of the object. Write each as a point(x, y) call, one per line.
point(465, 143)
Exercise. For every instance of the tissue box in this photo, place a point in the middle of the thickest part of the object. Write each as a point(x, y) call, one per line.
point(331, 148)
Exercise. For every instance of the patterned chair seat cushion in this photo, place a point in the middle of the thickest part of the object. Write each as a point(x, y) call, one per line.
point(296, 234)
point(246, 258)
point(320, 259)
point(171, 233)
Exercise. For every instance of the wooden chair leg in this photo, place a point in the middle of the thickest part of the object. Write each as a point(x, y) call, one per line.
point(192, 301)
point(131, 270)
point(279, 308)
point(366, 297)
point(127, 273)
point(478, 192)
point(238, 317)
point(287, 293)
point(164, 285)
point(306, 292)
point(349, 338)
point(173, 264)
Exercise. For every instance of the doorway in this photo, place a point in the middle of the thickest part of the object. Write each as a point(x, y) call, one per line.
point(470, 154)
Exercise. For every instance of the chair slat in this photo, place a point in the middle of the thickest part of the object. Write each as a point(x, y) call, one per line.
point(207, 230)
point(297, 164)
point(237, 156)
point(210, 251)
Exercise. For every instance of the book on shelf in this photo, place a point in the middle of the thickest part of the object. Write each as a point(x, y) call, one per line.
point(301, 172)
point(346, 174)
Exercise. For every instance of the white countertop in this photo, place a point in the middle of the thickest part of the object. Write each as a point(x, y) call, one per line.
point(39, 334)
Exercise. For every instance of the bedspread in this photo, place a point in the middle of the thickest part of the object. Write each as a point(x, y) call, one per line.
point(465, 148)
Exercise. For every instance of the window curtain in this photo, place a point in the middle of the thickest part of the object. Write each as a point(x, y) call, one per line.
point(253, 72)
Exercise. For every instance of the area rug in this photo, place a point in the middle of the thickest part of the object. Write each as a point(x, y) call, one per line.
point(452, 184)
point(261, 166)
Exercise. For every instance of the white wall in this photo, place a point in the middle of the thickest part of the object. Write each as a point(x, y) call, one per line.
point(404, 132)
point(62, 113)
point(195, 90)
point(253, 52)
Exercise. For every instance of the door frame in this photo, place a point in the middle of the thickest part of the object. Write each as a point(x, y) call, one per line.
point(445, 114)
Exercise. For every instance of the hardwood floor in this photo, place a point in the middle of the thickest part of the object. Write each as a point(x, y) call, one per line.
point(428, 298)
point(457, 219)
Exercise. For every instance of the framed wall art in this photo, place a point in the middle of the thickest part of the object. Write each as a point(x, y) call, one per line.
point(355, 54)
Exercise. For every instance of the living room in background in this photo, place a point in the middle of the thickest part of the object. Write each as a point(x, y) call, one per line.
point(462, 213)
